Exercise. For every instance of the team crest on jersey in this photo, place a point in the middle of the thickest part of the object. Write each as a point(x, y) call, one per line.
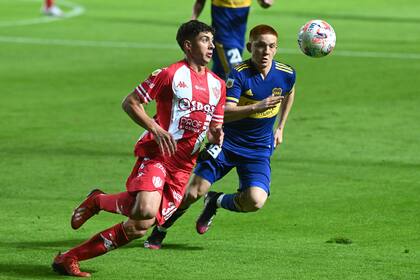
point(216, 92)
point(229, 82)
point(249, 92)
point(177, 196)
point(276, 91)
point(157, 182)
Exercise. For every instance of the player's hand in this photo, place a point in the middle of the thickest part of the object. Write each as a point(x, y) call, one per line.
point(215, 135)
point(266, 3)
point(268, 103)
point(278, 137)
point(165, 140)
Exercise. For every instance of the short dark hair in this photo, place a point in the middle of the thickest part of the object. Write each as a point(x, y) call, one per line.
point(260, 30)
point(189, 30)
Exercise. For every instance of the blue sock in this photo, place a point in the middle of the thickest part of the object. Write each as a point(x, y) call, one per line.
point(227, 202)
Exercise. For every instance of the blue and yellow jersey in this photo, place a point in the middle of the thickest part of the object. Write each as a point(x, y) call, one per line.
point(253, 136)
point(229, 18)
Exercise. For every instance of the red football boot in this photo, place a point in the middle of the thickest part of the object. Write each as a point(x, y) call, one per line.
point(67, 265)
point(86, 209)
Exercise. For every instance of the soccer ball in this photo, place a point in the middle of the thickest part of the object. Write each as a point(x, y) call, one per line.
point(316, 38)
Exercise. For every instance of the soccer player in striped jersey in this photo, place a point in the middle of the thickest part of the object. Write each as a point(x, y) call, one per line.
point(189, 107)
point(258, 91)
point(229, 18)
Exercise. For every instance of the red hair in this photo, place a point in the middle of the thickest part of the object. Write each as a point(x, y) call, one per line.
point(260, 30)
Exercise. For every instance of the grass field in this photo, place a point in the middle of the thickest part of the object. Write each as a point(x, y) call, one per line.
point(349, 167)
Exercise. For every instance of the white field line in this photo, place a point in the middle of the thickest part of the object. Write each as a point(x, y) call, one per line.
point(133, 45)
point(85, 43)
point(76, 10)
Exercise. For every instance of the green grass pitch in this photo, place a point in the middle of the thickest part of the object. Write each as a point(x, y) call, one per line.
point(345, 200)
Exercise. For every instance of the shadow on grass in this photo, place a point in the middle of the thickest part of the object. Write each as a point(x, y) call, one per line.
point(182, 247)
point(166, 246)
point(69, 243)
point(21, 271)
point(36, 244)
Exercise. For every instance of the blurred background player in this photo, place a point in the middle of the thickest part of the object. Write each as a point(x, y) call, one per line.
point(189, 107)
point(258, 90)
point(229, 18)
point(50, 9)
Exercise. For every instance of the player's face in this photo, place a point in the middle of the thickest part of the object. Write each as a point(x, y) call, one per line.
point(263, 49)
point(202, 48)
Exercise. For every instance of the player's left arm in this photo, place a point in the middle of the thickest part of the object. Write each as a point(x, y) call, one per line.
point(197, 8)
point(285, 108)
point(215, 133)
point(233, 111)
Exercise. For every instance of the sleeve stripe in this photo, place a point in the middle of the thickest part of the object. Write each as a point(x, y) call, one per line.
point(232, 99)
point(284, 70)
point(143, 93)
point(217, 116)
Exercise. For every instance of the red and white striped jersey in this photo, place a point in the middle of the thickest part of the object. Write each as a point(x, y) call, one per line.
point(186, 104)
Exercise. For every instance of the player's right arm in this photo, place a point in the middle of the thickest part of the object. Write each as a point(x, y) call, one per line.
point(198, 8)
point(133, 107)
point(233, 111)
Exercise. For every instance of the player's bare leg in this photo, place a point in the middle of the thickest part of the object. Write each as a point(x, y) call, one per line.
point(249, 200)
point(197, 188)
point(144, 212)
point(68, 263)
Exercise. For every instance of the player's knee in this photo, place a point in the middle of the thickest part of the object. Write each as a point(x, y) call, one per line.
point(253, 201)
point(202, 191)
point(196, 189)
point(256, 205)
point(144, 211)
point(133, 233)
point(136, 229)
point(191, 197)
point(252, 206)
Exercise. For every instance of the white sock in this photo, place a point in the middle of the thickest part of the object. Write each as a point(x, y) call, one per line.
point(219, 201)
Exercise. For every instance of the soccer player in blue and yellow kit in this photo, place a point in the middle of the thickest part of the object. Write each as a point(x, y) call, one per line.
point(258, 91)
point(229, 18)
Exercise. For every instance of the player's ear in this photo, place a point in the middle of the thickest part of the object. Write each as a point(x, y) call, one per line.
point(248, 46)
point(187, 45)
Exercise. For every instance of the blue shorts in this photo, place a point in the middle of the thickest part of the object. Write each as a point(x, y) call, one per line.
point(251, 172)
point(225, 59)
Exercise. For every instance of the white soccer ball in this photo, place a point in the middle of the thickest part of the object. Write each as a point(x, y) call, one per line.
point(316, 38)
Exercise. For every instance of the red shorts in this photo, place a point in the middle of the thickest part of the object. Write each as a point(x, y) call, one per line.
point(152, 175)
